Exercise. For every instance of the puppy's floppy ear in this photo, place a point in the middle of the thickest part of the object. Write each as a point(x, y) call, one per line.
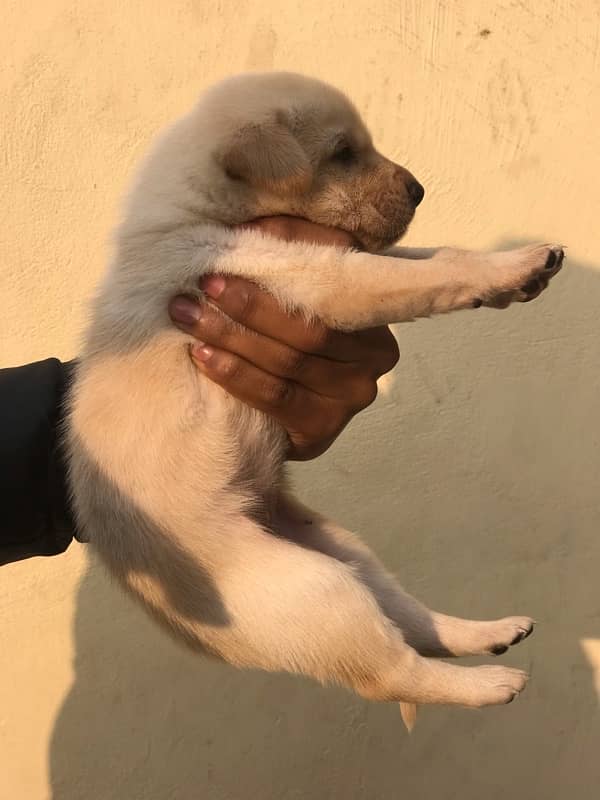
point(267, 155)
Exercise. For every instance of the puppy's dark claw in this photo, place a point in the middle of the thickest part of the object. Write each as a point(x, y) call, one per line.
point(522, 635)
point(554, 260)
point(532, 287)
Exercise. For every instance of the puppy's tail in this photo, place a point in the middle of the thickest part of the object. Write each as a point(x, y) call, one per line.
point(408, 712)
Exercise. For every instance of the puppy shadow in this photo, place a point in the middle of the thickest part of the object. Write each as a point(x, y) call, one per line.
point(477, 485)
point(145, 559)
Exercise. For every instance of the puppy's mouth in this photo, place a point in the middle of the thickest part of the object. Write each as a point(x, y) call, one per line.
point(300, 229)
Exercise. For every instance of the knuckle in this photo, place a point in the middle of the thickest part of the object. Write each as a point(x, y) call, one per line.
point(214, 324)
point(276, 394)
point(246, 303)
point(365, 394)
point(393, 354)
point(227, 368)
point(315, 338)
point(289, 363)
point(390, 354)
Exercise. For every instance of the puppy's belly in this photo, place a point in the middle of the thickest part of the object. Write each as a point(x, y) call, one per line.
point(149, 429)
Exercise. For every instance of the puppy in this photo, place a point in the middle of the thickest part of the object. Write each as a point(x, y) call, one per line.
point(179, 487)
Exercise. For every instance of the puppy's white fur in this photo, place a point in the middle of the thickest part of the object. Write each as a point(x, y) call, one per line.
point(179, 487)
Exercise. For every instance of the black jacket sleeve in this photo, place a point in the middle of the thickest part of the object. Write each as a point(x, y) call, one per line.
point(34, 514)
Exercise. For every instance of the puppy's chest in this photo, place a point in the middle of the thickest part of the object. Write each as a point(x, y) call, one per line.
point(259, 444)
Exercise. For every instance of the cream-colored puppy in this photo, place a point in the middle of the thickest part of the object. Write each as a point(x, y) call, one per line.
point(179, 487)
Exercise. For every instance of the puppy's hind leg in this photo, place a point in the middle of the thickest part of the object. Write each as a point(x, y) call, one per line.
point(292, 608)
point(429, 632)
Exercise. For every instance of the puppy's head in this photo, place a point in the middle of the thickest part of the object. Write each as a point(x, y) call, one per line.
point(279, 143)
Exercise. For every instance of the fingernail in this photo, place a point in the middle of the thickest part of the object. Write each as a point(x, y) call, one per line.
point(213, 286)
point(186, 311)
point(201, 352)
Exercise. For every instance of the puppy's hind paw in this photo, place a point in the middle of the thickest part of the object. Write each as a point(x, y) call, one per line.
point(507, 632)
point(495, 686)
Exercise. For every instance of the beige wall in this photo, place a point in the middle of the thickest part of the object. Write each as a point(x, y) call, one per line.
point(476, 477)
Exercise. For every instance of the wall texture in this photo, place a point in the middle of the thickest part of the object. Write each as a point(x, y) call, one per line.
point(475, 476)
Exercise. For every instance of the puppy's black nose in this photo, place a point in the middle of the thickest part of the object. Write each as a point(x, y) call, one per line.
point(416, 192)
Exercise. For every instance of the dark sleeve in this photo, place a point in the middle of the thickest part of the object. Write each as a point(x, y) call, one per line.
point(34, 515)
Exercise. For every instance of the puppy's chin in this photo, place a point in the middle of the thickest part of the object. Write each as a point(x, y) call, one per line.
point(377, 243)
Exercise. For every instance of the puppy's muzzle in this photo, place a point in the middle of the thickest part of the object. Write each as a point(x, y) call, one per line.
point(414, 189)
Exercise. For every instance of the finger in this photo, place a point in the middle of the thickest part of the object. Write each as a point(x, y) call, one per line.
point(348, 381)
point(312, 422)
point(375, 350)
point(256, 309)
point(284, 400)
point(380, 348)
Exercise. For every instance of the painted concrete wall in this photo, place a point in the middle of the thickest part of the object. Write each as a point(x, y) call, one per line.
point(475, 478)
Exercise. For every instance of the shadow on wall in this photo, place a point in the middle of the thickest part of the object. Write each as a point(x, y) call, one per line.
point(485, 504)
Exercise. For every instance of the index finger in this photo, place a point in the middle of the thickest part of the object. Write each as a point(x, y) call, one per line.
point(256, 309)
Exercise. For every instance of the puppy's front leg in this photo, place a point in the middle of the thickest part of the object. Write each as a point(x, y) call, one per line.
point(354, 290)
point(412, 253)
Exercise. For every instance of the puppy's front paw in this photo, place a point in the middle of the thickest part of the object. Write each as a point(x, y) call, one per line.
point(520, 275)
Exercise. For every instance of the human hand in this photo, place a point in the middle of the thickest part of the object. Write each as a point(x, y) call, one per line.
point(310, 378)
